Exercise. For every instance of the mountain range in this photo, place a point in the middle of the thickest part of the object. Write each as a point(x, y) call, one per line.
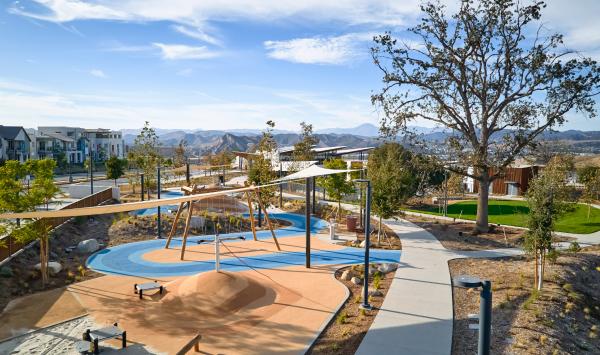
point(364, 135)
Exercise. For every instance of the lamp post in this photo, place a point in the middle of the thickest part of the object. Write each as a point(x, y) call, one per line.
point(365, 304)
point(307, 216)
point(142, 183)
point(159, 228)
point(485, 309)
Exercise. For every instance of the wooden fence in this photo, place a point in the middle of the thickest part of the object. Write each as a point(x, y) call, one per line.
point(12, 246)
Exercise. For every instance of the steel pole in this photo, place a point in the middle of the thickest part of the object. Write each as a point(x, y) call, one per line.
point(187, 173)
point(91, 172)
point(308, 222)
point(485, 318)
point(159, 227)
point(280, 186)
point(314, 195)
point(142, 182)
point(365, 304)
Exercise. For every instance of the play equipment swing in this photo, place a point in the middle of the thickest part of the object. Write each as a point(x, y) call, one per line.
point(190, 208)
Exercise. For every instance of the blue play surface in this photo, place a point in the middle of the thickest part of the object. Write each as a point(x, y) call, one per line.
point(154, 210)
point(127, 259)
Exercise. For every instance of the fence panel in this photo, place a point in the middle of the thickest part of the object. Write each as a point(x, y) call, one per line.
point(12, 246)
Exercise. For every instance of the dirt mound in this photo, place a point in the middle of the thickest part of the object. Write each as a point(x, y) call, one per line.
point(215, 292)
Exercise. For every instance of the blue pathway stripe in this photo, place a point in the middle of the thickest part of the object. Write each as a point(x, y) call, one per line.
point(127, 259)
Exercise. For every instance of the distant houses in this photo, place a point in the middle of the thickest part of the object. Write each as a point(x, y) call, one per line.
point(14, 143)
point(75, 144)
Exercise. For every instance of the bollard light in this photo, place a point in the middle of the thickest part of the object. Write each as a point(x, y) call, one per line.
point(485, 309)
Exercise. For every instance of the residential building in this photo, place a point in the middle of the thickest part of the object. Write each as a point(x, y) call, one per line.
point(55, 140)
point(14, 143)
point(106, 143)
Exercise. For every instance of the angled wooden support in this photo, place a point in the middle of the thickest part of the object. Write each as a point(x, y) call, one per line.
point(174, 227)
point(251, 215)
point(260, 204)
point(187, 228)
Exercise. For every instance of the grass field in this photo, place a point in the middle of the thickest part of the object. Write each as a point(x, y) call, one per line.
point(514, 213)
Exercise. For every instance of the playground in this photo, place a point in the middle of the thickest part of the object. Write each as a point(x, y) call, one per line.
point(243, 291)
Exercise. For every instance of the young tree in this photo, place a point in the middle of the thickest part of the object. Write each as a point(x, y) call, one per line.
point(336, 185)
point(181, 154)
point(303, 149)
point(14, 197)
point(548, 198)
point(115, 168)
point(145, 154)
point(476, 73)
point(589, 176)
point(394, 180)
point(261, 171)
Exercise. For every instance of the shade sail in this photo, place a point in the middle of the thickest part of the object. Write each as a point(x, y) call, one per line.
point(123, 207)
point(312, 171)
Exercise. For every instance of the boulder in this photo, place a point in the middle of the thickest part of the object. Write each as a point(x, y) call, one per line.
point(363, 244)
point(346, 275)
point(288, 205)
point(88, 246)
point(6, 271)
point(372, 292)
point(356, 280)
point(387, 267)
point(54, 267)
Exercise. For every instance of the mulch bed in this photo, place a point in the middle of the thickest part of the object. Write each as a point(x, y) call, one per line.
point(449, 234)
point(345, 332)
point(25, 280)
point(562, 319)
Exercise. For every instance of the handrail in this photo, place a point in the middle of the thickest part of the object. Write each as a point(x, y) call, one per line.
point(194, 343)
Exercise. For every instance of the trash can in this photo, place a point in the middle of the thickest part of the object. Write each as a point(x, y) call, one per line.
point(332, 227)
point(351, 223)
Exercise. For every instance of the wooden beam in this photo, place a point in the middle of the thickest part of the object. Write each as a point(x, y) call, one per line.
point(251, 215)
point(187, 228)
point(267, 218)
point(174, 227)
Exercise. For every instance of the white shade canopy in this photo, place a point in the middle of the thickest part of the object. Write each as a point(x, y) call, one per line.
point(312, 171)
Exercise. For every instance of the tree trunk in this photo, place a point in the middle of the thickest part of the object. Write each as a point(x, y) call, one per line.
point(482, 203)
point(541, 272)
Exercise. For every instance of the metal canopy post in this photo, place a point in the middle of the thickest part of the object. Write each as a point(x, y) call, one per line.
point(365, 304)
point(142, 183)
point(314, 196)
point(308, 222)
point(158, 227)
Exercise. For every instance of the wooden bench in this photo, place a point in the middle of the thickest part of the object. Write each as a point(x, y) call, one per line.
point(194, 343)
point(140, 288)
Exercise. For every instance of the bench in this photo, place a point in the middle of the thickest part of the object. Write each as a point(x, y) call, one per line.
point(140, 288)
point(96, 336)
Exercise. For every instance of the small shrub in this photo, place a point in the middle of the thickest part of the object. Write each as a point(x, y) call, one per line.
point(531, 299)
point(377, 281)
point(342, 318)
point(552, 255)
point(574, 247)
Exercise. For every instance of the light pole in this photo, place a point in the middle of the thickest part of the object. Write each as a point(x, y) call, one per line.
point(485, 309)
point(142, 183)
point(159, 228)
point(365, 304)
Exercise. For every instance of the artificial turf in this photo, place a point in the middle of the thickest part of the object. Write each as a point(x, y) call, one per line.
point(514, 213)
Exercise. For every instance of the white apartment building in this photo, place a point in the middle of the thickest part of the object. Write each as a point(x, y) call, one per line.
point(106, 143)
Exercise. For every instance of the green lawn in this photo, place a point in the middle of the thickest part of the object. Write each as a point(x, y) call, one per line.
point(514, 213)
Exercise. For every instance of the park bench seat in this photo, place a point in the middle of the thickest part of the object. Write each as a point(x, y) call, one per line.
point(140, 288)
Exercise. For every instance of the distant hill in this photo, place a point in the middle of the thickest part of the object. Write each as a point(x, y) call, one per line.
point(361, 136)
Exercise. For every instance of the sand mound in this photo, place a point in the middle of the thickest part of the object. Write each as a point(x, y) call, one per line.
point(214, 292)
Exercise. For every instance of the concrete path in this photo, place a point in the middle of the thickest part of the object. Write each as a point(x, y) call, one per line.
point(417, 314)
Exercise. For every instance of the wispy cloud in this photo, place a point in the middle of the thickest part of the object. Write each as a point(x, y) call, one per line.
point(198, 34)
point(97, 73)
point(181, 51)
point(320, 50)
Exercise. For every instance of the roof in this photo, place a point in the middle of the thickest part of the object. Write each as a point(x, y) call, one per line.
point(246, 155)
point(312, 171)
point(11, 132)
point(328, 149)
point(58, 136)
point(353, 150)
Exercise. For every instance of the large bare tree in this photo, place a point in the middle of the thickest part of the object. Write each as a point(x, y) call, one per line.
point(491, 75)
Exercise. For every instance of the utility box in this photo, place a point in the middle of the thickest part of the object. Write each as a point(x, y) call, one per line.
point(351, 223)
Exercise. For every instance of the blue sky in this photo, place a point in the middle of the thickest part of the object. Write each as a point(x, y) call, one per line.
point(211, 65)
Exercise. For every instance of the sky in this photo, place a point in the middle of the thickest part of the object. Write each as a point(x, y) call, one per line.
point(230, 64)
